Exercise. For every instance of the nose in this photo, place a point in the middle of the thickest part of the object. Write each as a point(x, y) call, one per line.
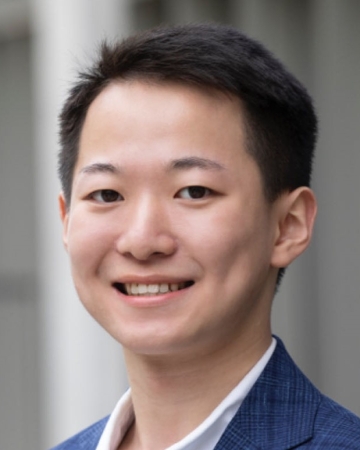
point(146, 231)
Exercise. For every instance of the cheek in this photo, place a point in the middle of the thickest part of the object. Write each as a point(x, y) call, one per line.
point(87, 242)
point(223, 236)
point(234, 243)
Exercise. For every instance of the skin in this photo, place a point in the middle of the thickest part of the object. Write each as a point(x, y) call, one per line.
point(145, 144)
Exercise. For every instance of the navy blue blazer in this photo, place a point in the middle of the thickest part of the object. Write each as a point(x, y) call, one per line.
point(282, 411)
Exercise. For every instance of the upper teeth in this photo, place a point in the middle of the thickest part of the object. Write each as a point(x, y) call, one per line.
point(144, 289)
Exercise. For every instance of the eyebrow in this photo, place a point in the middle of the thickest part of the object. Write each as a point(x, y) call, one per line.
point(100, 167)
point(192, 162)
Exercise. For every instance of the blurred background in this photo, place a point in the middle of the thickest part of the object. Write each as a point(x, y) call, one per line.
point(58, 370)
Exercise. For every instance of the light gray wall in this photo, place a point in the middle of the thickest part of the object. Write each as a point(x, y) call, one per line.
point(336, 84)
point(18, 308)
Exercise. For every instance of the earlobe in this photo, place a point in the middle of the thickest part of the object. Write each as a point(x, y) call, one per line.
point(295, 226)
point(64, 217)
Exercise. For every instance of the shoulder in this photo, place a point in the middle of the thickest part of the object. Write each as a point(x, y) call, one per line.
point(86, 439)
point(335, 427)
point(285, 410)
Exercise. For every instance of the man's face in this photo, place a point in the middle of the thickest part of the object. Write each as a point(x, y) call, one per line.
point(169, 234)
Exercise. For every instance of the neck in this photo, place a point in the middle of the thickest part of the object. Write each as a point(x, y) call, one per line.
point(173, 395)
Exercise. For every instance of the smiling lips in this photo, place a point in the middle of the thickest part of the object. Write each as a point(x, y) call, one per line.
point(150, 289)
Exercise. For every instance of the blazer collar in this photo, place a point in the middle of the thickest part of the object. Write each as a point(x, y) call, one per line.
point(278, 412)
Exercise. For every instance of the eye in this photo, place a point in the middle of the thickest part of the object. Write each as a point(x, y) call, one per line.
point(194, 192)
point(106, 196)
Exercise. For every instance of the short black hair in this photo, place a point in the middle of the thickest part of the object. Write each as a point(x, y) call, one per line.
point(279, 117)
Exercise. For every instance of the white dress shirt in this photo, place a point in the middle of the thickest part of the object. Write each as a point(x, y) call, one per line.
point(203, 437)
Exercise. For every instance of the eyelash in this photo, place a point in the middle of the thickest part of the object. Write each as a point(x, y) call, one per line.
point(96, 194)
point(194, 191)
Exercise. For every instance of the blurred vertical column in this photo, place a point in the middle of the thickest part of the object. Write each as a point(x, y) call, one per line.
point(337, 74)
point(188, 11)
point(82, 372)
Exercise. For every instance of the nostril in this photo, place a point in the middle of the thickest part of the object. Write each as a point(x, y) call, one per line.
point(144, 244)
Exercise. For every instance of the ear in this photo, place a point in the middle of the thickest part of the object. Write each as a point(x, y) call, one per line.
point(297, 212)
point(64, 216)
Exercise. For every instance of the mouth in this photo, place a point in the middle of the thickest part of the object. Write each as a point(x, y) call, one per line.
point(138, 289)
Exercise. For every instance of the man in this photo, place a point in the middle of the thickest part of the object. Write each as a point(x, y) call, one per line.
point(185, 166)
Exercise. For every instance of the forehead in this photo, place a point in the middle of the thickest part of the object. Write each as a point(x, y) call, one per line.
point(174, 100)
point(140, 121)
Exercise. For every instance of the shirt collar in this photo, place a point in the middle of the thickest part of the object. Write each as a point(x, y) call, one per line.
point(203, 437)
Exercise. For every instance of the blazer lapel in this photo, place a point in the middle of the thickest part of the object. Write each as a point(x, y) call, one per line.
point(86, 439)
point(279, 411)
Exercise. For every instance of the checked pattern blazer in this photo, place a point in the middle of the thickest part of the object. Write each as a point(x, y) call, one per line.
point(283, 411)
